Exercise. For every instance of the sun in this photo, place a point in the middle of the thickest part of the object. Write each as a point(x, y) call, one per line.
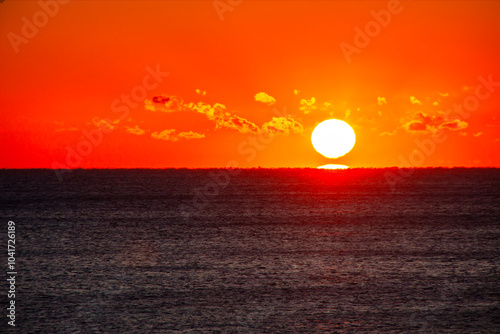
point(333, 138)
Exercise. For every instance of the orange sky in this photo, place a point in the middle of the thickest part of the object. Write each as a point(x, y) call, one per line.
point(247, 86)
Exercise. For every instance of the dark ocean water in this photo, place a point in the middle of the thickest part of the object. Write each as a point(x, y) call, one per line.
point(258, 251)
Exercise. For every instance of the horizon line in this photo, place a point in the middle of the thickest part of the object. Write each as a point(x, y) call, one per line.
point(244, 168)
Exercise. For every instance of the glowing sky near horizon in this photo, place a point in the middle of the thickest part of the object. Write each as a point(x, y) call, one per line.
point(422, 89)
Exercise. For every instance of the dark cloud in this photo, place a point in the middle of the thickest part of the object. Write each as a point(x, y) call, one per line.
point(161, 99)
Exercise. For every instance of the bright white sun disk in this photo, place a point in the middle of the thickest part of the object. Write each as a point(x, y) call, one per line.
point(333, 138)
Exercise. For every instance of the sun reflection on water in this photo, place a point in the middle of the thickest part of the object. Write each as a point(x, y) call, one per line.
point(332, 166)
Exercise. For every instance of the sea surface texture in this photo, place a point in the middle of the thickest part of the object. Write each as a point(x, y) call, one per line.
point(254, 251)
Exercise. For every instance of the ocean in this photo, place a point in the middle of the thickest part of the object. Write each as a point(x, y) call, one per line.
point(253, 251)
